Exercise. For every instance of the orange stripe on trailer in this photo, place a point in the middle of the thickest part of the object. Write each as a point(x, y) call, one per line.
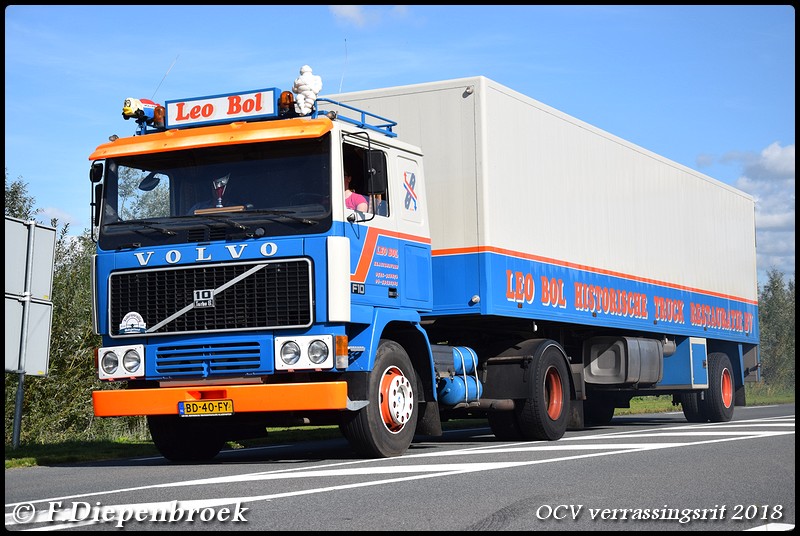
point(190, 138)
point(246, 398)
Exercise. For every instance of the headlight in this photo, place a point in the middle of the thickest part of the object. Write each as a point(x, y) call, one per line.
point(303, 352)
point(121, 362)
point(317, 351)
point(290, 353)
point(131, 361)
point(109, 362)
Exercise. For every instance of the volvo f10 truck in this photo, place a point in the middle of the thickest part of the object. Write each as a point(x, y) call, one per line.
point(396, 258)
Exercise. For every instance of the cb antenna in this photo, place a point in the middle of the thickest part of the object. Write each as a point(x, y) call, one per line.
point(165, 76)
point(345, 65)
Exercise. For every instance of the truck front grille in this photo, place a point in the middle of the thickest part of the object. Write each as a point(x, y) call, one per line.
point(246, 296)
point(203, 360)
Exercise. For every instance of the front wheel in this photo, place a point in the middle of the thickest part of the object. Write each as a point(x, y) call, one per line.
point(385, 427)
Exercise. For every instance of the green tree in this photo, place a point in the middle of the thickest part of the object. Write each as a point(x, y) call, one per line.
point(776, 315)
point(18, 203)
point(138, 203)
point(59, 407)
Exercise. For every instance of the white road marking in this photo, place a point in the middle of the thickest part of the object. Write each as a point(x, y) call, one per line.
point(416, 472)
point(773, 527)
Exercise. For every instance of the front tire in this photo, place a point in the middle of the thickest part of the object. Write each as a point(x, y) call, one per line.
point(385, 427)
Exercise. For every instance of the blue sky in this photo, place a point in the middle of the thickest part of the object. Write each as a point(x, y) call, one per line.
point(710, 87)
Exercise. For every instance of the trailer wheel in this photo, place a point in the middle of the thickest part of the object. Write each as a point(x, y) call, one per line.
point(385, 427)
point(719, 395)
point(545, 412)
point(693, 407)
point(181, 439)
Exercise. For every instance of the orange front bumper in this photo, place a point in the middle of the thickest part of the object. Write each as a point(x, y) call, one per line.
point(246, 398)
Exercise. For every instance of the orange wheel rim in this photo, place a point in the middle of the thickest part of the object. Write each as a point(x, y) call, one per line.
point(726, 388)
point(396, 399)
point(554, 393)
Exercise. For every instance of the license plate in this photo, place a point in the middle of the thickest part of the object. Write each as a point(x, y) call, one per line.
point(205, 407)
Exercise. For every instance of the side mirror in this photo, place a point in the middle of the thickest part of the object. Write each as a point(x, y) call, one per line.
point(376, 172)
point(96, 172)
point(97, 200)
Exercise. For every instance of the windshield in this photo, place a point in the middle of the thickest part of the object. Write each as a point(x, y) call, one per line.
point(229, 192)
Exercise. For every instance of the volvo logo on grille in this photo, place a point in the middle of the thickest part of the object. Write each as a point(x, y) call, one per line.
point(204, 298)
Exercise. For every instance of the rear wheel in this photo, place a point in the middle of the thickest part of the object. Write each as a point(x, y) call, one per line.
point(385, 427)
point(693, 407)
point(716, 403)
point(719, 396)
point(184, 439)
point(545, 412)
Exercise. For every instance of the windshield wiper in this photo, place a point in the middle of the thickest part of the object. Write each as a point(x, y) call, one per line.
point(132, 245)
point(223, 219)
point(147, 224)
point(285, 213)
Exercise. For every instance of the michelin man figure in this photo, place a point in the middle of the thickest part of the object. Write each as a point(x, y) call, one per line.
point(306, 88)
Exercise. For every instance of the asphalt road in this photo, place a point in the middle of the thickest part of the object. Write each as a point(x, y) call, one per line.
point(646, 472)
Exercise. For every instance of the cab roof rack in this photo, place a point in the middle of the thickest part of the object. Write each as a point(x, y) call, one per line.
point(384, 127)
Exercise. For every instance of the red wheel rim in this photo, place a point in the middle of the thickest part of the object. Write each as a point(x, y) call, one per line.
point(396, 399)
point(553, 393)
point(727, 388)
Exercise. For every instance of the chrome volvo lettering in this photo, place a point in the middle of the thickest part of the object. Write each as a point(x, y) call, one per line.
point(142, 259)
point(174, 256)
point(268, 249)
point(234, 253)
point(201, 255)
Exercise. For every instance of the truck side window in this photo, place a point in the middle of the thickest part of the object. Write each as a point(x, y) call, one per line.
point(372, 186)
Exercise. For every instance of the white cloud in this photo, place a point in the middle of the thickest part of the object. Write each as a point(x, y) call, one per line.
point(360, 16)
point(770, 178)
point(352, 14)
point(46, 214)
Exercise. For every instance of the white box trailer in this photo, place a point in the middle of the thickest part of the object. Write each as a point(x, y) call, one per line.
point(507, 172)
